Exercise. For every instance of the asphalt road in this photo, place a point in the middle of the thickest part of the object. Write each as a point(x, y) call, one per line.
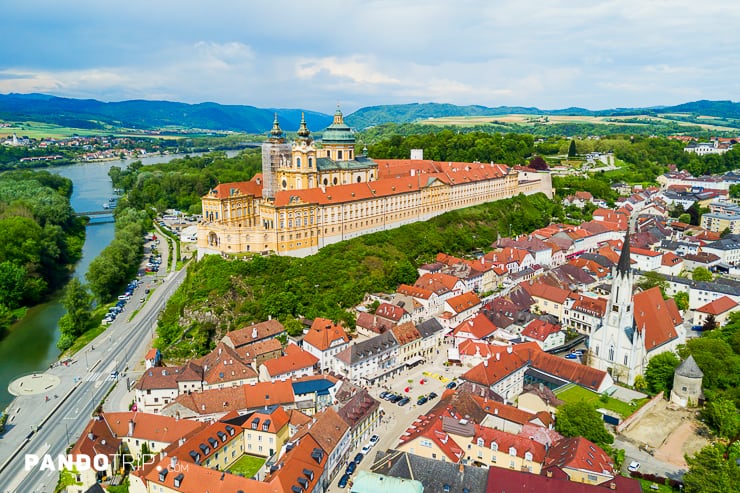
point(46, 424)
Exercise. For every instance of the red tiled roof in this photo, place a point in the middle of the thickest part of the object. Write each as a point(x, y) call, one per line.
point(406, 333)
point(579, 453)
point(255, 332)
point(249, 352)
point(251, 187)
point(495, 369)
point(546, 292)
point(592, 306)
point(390, 311)
point(655, 317)
point(251, 396)
point(540, 330)
point(151, 427)
point(718, 306)
point(436, 281)
point(323, 333)
point(295, 359)
point(506, 441)
point(480, 326)
point(503, 480)
point(644, 252)
point(463, 302)
point(414, 291)
point(669, 259)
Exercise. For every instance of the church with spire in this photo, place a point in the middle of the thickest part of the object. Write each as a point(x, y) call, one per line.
point(636, 326)
point(311, 194)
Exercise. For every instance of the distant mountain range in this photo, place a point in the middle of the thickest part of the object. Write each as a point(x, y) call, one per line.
point(93, 114)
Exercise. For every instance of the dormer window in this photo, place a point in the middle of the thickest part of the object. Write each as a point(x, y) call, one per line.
point(230, 430)
point(494, 446)
point(528, 456)
point(512, 451)
point(178, 480)
point(480, 442)
point(255, 423)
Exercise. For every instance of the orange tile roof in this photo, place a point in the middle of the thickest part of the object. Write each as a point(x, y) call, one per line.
point(718, 306)
point(670, 259)
point(592, 306)
point(655, 317)
point(434, 281)
point(151, 427)
point(223, 365)
point(324, 333)
point(251, 187)
point(250, 396)
point(103, 440)
point(480, 326)
point(546, 292)
point(415, 292)
point(644, 252)
point(464, 301)
point(471, 347)
point(406, 333)
point(327, 428)
point(495, 369)
point(295, 359)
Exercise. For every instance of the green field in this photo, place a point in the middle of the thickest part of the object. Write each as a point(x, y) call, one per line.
point(247, 466)
point(576, 393)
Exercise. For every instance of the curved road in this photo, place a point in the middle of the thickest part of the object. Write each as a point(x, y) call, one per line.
point(47, 423)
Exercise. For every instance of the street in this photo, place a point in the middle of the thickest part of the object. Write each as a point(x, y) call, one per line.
point(47, 422)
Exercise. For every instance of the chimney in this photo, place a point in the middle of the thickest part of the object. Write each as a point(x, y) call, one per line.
point(509, 349)
point(90, 436)
point(549, 473)
point(173, 462)
point(485, 362)
point(612, 485)
point(131, 427)
point(498, 356)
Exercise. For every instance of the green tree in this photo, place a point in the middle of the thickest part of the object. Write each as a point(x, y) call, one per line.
point(713, 470)
point(710, 323)
point(78, 303)
point(651, 279)
point(582, 419)
point(641, 383)
point(722, 416)
point(684, 218)
point(701, 274)
point(659, 372)
point(716, 359)
point(572, 148)
point(682, 300)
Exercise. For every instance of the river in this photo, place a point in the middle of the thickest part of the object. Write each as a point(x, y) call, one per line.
point(30, 344)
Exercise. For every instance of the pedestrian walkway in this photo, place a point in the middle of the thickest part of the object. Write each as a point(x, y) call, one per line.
point(36, 383)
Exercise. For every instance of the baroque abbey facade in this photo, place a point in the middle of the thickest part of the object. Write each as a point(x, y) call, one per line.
point(310, 195)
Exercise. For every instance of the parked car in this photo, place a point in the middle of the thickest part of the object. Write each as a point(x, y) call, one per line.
point(571, 356)
point(395, 398)
point(421, 400)
point(451, 385)
point(123, 297)
point(373, 440)
point(431, 396)
point(358, 458)
point(383, 394)
point(404, 401)
point(366, 449)
point(634, 466)
point(113, 375)
point(343, 481)
point(351, 468)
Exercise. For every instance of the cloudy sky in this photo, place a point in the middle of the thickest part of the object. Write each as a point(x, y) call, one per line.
point(315, 54)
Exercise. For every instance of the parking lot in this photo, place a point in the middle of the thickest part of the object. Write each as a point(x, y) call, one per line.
point(397, 419)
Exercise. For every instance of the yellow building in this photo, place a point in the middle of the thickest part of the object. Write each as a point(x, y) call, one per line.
point(310, 195)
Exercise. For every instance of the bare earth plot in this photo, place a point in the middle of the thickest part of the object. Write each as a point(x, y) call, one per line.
point(672, 433)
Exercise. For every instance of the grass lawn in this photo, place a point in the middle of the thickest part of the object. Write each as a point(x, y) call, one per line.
point(576, 393)
point(662, 488)
point(247, 466)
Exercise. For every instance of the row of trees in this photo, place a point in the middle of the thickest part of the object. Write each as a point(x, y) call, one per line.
point(40, 238)
point(220, 295)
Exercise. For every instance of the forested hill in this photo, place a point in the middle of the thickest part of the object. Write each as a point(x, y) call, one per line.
point(407, 113)
point(141, 114)
point(92, 114)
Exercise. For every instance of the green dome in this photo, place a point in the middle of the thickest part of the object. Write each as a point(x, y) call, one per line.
point(338, 132)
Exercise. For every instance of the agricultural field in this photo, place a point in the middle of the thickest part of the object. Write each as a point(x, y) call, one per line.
point(36, 130)
point(707, 122)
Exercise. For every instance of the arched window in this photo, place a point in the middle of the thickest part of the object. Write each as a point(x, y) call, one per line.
point(310, 162)
point(512, 451)
point(335, 180)
point(494, 446)
point(359, 179)
point(326, 181)
point(297, 162)
point(611, 353)
point(528, 456)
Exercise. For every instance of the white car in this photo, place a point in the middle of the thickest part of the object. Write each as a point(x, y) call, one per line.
point(373, 440)
point(634, 466)
point(366, 449)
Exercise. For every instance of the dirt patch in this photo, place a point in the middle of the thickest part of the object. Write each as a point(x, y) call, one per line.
point(669, 431)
